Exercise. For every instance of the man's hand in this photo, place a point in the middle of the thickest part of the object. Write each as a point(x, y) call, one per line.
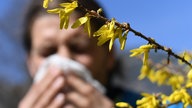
point(45, 93)
point(84, 95)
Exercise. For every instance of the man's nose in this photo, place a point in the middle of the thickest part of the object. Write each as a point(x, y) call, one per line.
point(64, 52)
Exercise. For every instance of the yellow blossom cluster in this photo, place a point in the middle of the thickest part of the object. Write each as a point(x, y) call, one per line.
point(163, 101)
point(108, 32)
point(162, 76)
point(148, 101)
point(179, 83)
point(159, 76)
point(180, 95)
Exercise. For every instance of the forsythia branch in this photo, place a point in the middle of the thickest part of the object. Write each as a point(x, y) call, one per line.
point(126, 26)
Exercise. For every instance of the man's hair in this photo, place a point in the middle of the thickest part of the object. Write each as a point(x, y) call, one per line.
point(36, 9)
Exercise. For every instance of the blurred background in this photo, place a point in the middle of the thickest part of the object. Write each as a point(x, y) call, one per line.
point(167, 21)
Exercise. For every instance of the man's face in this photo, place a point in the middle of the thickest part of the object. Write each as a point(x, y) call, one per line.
point(75, 44)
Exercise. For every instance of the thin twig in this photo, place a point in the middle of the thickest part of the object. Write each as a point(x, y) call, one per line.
point(126, 26)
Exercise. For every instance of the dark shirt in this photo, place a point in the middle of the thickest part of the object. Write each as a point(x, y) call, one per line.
point(120, 95)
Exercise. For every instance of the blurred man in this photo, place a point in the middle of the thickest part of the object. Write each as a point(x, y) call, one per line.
point(44, 38)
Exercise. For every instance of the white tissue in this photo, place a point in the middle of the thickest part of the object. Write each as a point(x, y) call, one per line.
point(66, 64)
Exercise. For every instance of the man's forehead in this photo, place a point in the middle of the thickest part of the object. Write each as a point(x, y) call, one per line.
point(76, 34)
point(46, 19)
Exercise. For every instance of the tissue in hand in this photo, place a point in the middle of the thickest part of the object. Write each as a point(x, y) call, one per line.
point(68, 65)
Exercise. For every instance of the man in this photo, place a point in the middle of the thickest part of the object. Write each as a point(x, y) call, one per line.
point(43, 38)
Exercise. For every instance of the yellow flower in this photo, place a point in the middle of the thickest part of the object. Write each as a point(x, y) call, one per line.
point(64, 19)
point(146, 56)
point(108, 32)
point(83, 20)
point(189, 80)
point(162, 76)
point(144, 49)
point(122, 39)
point(123, 105)
point(176, 81)
point(151, 76)
point(140, 50)
point(46, 3)
point(148, 101)
point(145, 70)
point(164, 99)
point(181, 96)
point(117, 33)
point(69, 7)
point(189, 75)
point(188, 85)
point(103, 35)
point(186, 55)
point(64, 13)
